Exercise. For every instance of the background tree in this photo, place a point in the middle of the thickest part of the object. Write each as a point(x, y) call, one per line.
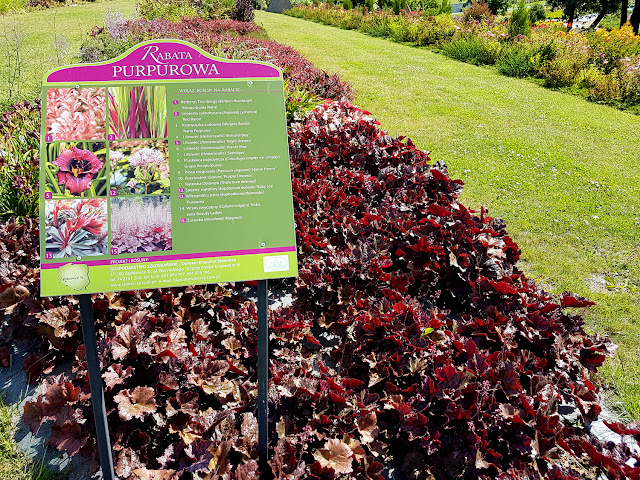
point(624, 7)
point(573, 8)
point(635, 17)
point(498, 6)
point(537, 13)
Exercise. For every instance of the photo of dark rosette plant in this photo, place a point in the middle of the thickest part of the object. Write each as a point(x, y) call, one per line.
point(76, 228)
point(139, 167)
point(76, 169)
point(76, 113)
point(138, 112)
point(141, 224)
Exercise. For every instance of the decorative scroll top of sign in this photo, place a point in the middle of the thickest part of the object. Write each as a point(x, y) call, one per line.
point(163, 60)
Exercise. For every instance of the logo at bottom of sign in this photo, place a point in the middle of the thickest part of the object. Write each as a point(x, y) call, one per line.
point(276, 263)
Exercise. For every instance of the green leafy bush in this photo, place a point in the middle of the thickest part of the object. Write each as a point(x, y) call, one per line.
point(445, 8)
point(171, 10)
point(174, 10)
point(7, 6)
point(437, 31)
point(571, 56)
point(515, 62)
point(472, 50)
point(347, 4)
point(537, 13)
point(519, 20)
point(19, 160)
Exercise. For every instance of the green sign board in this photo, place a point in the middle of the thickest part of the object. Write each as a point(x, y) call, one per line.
point(164, 167)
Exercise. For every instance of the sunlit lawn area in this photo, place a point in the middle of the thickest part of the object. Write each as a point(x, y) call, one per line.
point(564, 173)
point(47, 39)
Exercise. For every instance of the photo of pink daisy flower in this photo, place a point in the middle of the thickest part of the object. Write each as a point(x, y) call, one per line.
point(76, 114)
point(76, 169)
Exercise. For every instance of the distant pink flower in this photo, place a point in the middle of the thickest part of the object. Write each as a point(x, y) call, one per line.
point(77, 168)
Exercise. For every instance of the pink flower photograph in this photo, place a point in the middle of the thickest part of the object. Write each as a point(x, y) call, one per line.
point(141, 224)
point(76, 228)
point(76, 114)
point(76, 169)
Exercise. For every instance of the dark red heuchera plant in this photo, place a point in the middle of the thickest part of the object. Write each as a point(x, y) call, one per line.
point(413, 343)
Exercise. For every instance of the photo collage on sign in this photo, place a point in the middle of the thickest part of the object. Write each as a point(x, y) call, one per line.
point(106, 170)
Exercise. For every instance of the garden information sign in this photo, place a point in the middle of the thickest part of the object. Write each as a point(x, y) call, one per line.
point(164, 167)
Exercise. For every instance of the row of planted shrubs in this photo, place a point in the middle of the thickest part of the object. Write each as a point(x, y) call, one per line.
point(602, 65)
point(413, 343)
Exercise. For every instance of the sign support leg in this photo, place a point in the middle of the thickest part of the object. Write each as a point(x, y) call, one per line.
point(263, 375)
point(95, 382)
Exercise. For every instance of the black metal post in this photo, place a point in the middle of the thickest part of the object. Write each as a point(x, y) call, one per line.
point(263, 375)
point(95, 382)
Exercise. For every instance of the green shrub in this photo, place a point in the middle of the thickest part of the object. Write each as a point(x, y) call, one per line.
point(7, 6)
point(563, 69)
point(537, 13)
point(19, 161)
point(445, 8)
point(519, 21)
point(172, 10)
point(398, 31)
point(396, 7)
point(369, 5)
point(472, 50)
point(347, 4)
point(515, 62)
point(437, 31)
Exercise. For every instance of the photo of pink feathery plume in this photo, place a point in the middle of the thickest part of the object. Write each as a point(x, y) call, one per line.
point(76, 114)
point(141, 224)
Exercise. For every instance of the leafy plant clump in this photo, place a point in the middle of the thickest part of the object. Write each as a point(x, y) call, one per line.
point(19, 166)
point(413, 342)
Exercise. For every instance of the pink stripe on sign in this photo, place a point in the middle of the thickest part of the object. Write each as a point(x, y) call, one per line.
point(164, 60)
point(167, 258)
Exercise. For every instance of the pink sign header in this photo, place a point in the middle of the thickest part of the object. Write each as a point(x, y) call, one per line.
point(163, 60)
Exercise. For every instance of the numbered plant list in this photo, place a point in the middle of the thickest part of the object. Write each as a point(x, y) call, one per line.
point(164, 167)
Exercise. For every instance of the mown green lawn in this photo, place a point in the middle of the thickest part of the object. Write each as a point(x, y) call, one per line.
point(46, 39)
point(564, 173)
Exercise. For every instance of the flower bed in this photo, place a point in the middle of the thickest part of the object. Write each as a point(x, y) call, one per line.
point(599, 65)
point(413, 341)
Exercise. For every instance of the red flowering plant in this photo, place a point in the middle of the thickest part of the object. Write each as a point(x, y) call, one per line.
point(76, 169)
point(76, 227)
